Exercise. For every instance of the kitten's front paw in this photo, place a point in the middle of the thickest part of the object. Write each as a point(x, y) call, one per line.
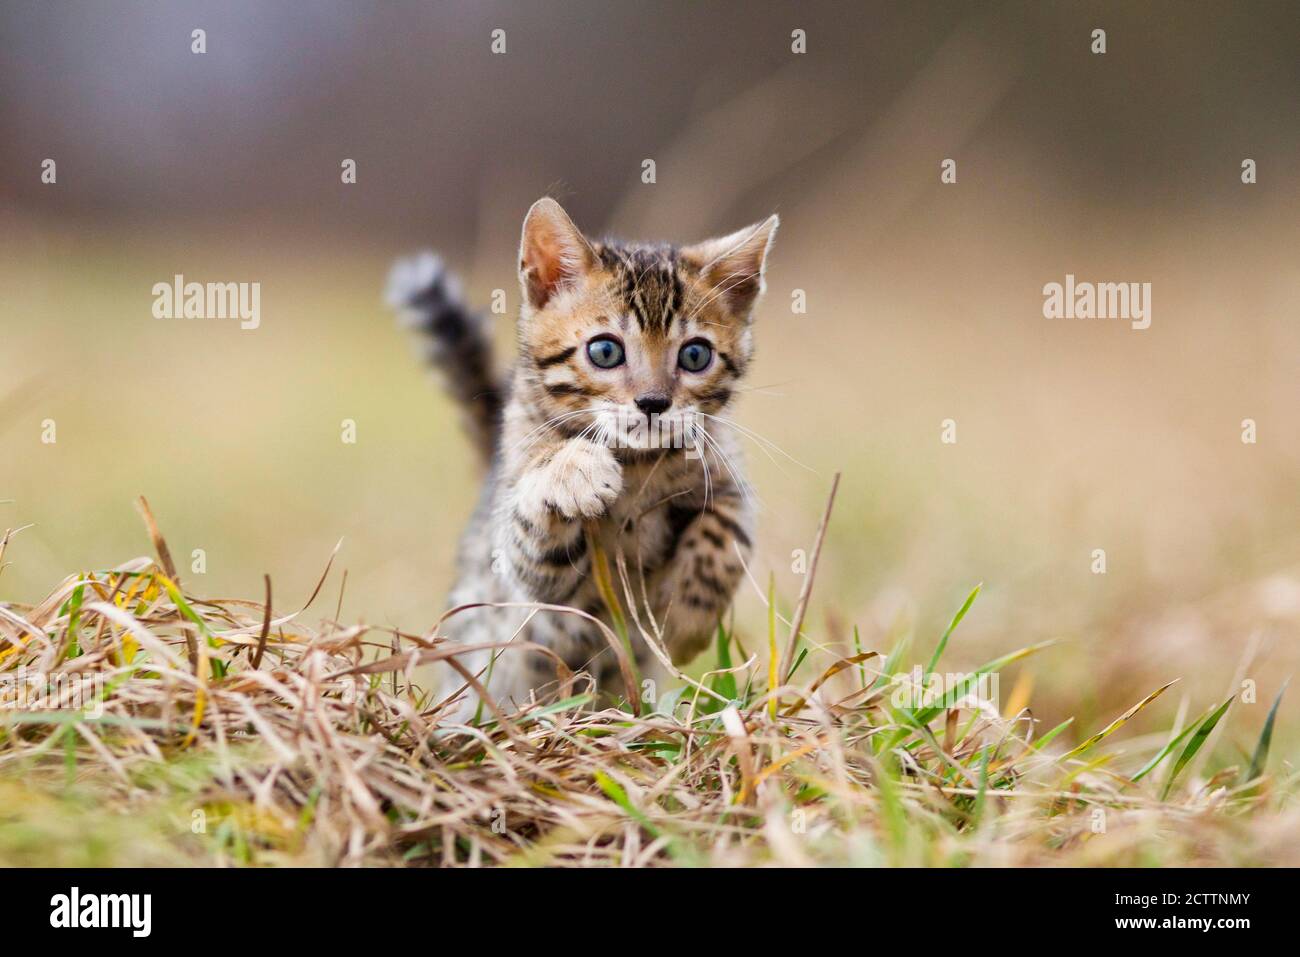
point(581, 480)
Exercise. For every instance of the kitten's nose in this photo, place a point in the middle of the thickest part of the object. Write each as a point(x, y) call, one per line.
point(653, 403)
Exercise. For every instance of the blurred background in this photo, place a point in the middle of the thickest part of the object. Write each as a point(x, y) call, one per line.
point(924, 300)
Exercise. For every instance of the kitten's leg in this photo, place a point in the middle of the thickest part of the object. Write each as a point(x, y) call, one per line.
point(540, 551)
point(539, 531)
point(702, 575)
point(512, 674)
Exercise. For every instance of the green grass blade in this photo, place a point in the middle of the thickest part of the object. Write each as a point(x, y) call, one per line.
point(1260, 759)
point(74, 621)
point(857, 650)
point(614, 791)
point(1198, 739)
point(952, 626)
point(803, 653)
point(1046, 739)
point(576, 701)
point(1168, 748)
point(724, 683)
point(895, 656)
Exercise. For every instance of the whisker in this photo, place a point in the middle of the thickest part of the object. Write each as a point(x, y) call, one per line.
point(537, 433)
point(704, 465)
point(760, 440)
point(554, 420)
point(742, 486)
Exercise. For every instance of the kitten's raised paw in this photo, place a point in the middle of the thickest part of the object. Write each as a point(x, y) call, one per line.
point(581, 480)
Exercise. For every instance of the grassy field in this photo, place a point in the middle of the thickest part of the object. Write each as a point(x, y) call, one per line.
point(228, 732)
point(896, 303)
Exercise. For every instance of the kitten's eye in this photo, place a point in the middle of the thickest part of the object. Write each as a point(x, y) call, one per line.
point(605, 352)
point(695, 356)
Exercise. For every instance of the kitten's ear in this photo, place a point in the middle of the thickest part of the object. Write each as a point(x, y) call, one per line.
point(733, 265)
point(553, 253)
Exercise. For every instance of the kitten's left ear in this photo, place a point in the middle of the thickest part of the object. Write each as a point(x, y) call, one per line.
point(734, 264)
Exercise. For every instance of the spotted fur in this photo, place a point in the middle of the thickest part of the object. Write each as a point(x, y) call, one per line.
point(572, 471)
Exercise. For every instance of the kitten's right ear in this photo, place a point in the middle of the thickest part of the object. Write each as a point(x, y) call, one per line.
point(553, 253)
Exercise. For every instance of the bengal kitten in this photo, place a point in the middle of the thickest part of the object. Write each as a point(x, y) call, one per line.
point(607, 433)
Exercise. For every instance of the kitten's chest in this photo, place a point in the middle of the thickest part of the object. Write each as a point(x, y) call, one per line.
point(641, 522)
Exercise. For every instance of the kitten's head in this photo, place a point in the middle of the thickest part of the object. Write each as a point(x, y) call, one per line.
point(635, 341)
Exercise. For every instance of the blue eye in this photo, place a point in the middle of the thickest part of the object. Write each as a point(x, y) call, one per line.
point(606, 353)
point(695, 356)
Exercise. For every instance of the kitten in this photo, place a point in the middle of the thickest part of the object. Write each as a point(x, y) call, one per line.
point(604, 435)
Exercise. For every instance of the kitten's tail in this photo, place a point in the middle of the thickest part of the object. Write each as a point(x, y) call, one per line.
point(455, 341)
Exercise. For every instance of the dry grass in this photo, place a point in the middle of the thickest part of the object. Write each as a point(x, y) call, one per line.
point(233, 734)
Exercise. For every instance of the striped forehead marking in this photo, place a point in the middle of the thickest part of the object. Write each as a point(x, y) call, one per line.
point(649, 284)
